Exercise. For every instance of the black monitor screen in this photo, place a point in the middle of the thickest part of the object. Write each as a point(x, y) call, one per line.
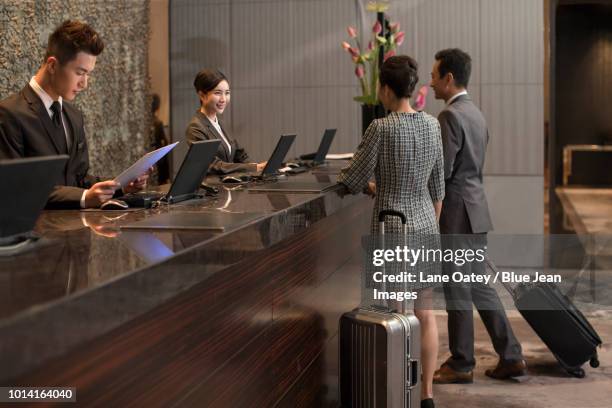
point(194, 167)
point(326, 141)
point(280, 151)
point(26, 184)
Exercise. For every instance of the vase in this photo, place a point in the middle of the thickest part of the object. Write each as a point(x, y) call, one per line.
point(369, 113)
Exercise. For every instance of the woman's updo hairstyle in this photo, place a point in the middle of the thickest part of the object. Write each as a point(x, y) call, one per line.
point(400, 74)
point(207, 79)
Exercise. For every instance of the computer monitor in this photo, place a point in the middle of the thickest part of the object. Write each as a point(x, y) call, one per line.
point(26, 184)
point(326, 141)
point(193, 170)
point(278, 155)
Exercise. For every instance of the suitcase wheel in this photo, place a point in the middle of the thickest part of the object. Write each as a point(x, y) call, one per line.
point(578, 373)
point(594, 362)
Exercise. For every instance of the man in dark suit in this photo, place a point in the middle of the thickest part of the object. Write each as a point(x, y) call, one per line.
point(465, 211)
point(39, 120)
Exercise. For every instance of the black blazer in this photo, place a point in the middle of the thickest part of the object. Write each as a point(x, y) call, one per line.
point(26, 130)
point(200, 128)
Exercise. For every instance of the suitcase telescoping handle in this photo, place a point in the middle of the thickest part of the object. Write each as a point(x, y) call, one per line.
point(390, 213)
point(381, 229)
point(506, 286)
point(385, 213)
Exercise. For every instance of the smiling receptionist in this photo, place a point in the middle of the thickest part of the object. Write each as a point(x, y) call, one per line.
point(214, 93)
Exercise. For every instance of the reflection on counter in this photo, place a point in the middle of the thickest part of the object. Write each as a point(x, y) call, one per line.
point(146, 245)
point(85, 249)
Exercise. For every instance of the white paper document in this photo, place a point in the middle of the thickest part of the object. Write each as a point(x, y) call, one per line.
point(143, 164)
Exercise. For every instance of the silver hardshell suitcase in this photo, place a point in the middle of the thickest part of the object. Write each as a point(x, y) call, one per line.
point(380, 354)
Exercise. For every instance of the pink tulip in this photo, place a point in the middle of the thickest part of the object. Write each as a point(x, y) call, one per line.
point(346, 45)
point(359, 71)
point(354, 52)
point(389, 54)
point(377, 27)
point(394, 27)
point(399, 38)
point(370, 45)
point(421, 98)
point(352, 32)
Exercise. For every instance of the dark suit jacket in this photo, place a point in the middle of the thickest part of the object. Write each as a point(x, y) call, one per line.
point(160, 140)
point(26, 130)
point(464, 139)
point(200, 128)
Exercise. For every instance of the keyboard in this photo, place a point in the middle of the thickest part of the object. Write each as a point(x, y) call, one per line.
point(143, 199)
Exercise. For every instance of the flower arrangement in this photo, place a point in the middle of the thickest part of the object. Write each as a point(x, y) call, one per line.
point(367, 61)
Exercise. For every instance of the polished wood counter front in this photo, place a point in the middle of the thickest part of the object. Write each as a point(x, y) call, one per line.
point(241, 318)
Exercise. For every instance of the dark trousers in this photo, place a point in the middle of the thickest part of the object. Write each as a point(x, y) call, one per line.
point(459, 299)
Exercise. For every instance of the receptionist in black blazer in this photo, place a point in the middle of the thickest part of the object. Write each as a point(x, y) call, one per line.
point(214, 93)
point(41, 121)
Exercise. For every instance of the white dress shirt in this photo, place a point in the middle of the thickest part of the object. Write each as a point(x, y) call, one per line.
point(217, 126)
point(47, 102)
point(464, 92)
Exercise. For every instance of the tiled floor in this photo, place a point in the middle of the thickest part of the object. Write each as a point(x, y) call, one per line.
point(546, 386)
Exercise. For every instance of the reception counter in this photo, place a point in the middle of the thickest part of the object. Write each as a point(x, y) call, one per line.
point(245, 317)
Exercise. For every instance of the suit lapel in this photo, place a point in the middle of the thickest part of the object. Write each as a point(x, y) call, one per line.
point(230, 154)
point(71, 116)
point(213, 131)
point(57, 138)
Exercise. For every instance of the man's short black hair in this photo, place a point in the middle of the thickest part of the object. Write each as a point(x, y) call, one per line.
point(72, 37)
point(457, 62)
point(400, 74)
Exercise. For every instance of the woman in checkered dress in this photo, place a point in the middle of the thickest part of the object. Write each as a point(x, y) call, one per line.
point(404, 152)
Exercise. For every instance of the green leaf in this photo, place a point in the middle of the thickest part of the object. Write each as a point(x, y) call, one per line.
point(366, 100)
point(362, 99)
point(374, 75)
point(381, 40)
point(377, 6)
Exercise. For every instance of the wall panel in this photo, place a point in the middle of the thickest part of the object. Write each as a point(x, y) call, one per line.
point(291, 50)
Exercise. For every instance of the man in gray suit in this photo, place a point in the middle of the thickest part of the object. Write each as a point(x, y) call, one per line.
point(465, 211)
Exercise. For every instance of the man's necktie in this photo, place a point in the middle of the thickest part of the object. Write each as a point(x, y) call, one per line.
point(56, 108)
point(57, 113)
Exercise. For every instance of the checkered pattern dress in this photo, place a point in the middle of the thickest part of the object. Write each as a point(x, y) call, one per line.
point(404, 151)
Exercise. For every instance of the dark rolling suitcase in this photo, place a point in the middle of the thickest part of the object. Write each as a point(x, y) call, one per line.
point(560, 325)
point(379, 353)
